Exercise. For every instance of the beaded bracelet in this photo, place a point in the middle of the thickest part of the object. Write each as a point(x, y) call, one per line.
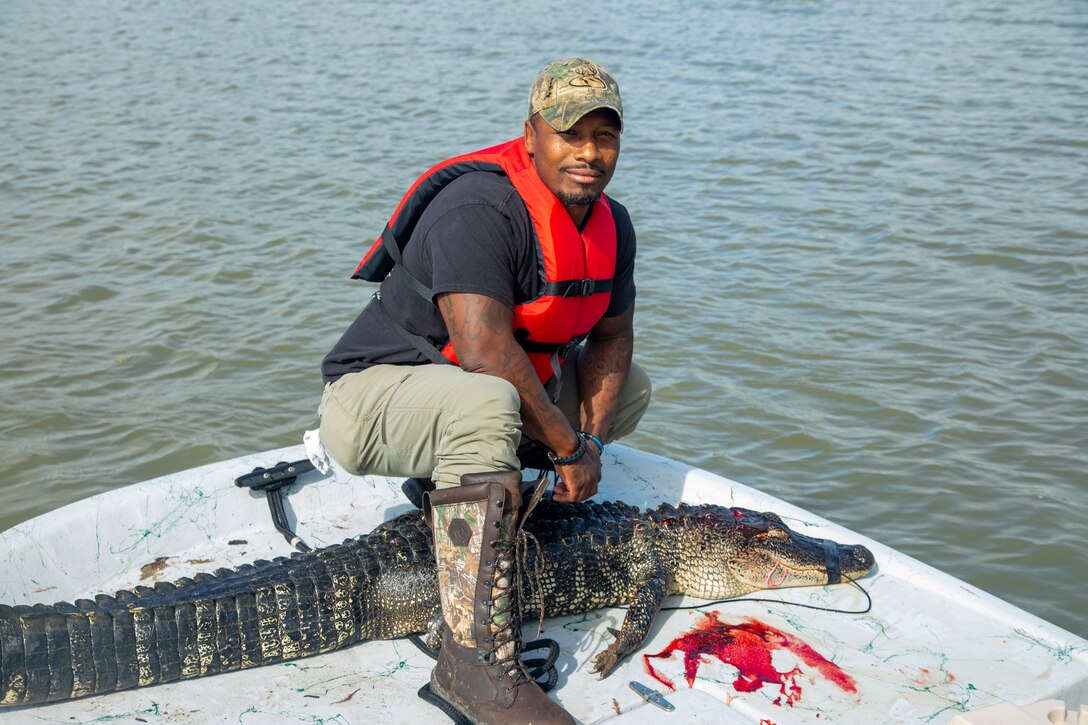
point(567, 460)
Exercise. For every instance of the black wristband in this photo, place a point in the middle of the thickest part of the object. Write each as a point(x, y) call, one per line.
point(567, 460)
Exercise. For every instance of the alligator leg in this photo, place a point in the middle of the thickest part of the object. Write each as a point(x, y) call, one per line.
point(647, 595)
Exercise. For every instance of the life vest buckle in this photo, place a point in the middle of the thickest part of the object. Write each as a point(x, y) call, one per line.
point(562, 351)
point(580, 288)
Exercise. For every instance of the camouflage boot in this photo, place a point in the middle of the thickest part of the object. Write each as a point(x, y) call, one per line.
point(479, 671)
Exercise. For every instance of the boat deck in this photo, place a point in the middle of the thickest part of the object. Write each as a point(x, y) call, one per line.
point(931, 647)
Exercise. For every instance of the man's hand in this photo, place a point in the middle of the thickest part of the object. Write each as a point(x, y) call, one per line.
point(578, 481)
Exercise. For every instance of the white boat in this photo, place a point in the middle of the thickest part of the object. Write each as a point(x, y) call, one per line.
point(931, 649)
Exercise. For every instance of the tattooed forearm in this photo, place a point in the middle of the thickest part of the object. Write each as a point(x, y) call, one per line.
point(602, 371)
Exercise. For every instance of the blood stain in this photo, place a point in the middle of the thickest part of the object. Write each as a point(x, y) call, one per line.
point(152, 570)
point(748, 647)
point(338, 702)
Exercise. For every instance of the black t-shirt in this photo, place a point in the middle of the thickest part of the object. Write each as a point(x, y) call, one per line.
point(475, 236)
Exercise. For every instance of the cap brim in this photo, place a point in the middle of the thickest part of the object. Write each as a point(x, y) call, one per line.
point(562, 116)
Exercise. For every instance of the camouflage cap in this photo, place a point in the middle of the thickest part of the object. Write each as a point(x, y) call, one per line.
point(568, 89)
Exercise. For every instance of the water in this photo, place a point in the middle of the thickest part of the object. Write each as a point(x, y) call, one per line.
point(862, 226)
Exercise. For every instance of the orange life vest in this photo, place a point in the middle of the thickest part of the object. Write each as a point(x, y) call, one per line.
point(578, 265)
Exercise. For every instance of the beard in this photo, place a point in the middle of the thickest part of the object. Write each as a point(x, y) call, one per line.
point(583, 199)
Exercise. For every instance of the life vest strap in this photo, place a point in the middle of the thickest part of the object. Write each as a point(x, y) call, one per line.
point(561, 348)
point(577, 287)
point(419, 342)
point(389, 241)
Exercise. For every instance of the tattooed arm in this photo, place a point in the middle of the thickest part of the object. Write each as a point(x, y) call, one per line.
point(482, 332)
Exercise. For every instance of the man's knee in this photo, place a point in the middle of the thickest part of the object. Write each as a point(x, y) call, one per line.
point(483, 434)
point(638, 381)
point(634, 400)
point(393, 420)
point(488, 413)
point(481, 394)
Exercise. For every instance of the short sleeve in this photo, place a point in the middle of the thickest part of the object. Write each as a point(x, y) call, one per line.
point(623, 281)
point(470, 250)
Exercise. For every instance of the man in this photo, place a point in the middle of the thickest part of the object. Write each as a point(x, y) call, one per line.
point(500, 262)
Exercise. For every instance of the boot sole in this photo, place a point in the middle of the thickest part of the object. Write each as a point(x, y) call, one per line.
point(426, 694)
point(455, 703)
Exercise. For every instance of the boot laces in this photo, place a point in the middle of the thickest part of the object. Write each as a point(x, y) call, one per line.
point(506, 637)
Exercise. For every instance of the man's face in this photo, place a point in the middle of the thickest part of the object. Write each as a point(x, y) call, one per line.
point(578, 163)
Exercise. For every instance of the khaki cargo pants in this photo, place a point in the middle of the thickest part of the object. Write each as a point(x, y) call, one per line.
point(439, 421)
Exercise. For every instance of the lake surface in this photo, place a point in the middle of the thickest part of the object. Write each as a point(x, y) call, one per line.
point(863, 241)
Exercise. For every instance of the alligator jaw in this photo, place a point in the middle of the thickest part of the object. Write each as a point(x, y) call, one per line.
point(844, 561)
point(800, 561)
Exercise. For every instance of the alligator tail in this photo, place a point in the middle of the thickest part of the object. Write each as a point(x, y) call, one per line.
point(254, 615)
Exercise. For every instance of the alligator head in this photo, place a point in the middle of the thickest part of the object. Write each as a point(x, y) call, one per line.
point(728, 552)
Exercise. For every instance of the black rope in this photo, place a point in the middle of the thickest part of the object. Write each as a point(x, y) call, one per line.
point(542, 669)
point(418, 642)
point(427, 695)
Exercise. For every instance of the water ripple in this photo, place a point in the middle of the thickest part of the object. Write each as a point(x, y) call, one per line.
point(861, 242)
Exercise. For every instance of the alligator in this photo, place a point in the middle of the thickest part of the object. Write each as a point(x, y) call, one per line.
point(383, 585)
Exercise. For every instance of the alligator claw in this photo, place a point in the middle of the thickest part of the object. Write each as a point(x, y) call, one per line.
point(607, 660)
point(604, 663)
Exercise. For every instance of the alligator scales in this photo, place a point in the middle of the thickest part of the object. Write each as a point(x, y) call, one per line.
point(383, 585)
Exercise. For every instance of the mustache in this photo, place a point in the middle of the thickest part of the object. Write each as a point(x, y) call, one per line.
point(584, 167)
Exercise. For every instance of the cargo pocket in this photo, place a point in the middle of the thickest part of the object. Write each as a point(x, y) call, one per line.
point(385, 408)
